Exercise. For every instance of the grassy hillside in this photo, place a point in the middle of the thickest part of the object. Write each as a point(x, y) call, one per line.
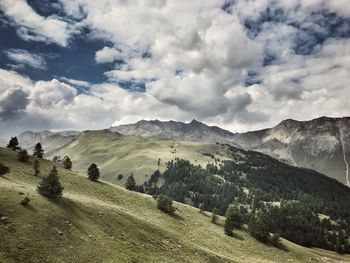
point(117, 154)
point(99, 222)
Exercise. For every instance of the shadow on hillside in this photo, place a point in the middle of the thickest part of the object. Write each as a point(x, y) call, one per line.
point(237, 236)
point(30, 207)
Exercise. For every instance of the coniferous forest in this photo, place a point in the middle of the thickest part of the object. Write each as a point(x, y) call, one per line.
point(301, 205)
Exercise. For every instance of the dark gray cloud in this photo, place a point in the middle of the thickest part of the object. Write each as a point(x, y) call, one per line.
point(13, 103)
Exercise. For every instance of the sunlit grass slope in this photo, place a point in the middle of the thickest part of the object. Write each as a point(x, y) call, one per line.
point(117, 154)
point(99, 222)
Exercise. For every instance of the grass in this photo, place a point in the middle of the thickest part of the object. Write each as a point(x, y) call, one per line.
point(117, 154)
point(101, 222)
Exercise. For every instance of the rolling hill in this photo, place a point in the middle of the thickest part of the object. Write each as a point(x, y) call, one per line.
point(100, 222)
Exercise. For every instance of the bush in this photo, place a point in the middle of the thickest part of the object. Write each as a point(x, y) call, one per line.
point(4, 169)
point(25, 201)
point(214, 216)
point(120, 176)
point(276, 240)
point(23, 156)
point(165, 204)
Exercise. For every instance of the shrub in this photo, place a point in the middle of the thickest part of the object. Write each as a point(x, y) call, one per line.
point(120, 176)
point(165, 204)
point(214, 216)
point(25, 201)
point(4, 169)
point(23, 156)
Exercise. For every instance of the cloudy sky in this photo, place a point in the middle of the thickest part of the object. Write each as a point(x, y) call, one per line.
point(242, 65)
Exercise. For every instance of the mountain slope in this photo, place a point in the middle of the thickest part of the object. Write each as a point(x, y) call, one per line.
point(321, 144)
point(51, 141)
point(118, 154)
point(193, 131)
point(99, 222)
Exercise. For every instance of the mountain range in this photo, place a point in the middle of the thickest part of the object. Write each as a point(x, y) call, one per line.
point(321, 144)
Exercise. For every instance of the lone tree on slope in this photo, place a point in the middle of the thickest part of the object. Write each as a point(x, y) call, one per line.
point(130, 183)
point(50, 186)
point(13, 144)
point(93, 172)
point(38, 150)
point(67, 163)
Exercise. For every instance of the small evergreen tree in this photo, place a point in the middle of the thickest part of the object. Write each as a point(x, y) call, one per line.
point(258, 227)
point(23, 156)
point(214, 216)
point(93, 172)
point(165, 204)
point(36, 166)
point(130, 183)
point(233, 219)
point(50, 186)
point(38, 150)
point(13, 144)
point(67, 163)
point(4, 169)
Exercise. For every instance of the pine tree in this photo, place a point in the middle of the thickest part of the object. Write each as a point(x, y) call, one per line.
point(258, 227)
point(50, 185)
point(38, 150)
point(130, 183)
point(67, 163)
point(36, 166)
point(13, 144)
point(233, 219)
point(23, 156)
point(93, 172)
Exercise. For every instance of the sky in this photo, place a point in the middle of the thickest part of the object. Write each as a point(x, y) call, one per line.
point(242, 65)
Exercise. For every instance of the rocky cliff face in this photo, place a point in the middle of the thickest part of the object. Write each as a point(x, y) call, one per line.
point(321, 144)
